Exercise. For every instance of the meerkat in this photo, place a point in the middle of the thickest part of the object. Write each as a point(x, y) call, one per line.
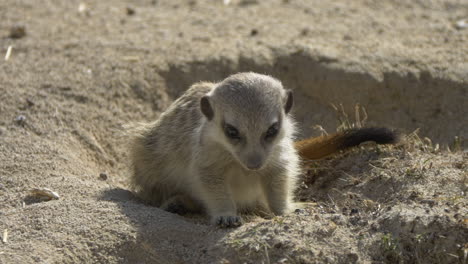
point(226, 148)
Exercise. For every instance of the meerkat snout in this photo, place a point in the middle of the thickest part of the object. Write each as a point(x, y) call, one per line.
point(254, 161)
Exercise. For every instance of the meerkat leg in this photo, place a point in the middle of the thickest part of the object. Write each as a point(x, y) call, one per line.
point(180, 204)
point(218, 200)
point(277, 194)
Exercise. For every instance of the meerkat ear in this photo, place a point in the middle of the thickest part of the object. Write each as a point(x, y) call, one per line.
point(289, 101)
point(206, 108)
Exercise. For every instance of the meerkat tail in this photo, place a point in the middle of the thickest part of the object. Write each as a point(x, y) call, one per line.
point(319, 147)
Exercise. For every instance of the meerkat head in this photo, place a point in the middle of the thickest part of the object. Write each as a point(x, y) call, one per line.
point(247, 113)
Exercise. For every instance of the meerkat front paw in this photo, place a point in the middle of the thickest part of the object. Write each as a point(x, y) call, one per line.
point(227, 221)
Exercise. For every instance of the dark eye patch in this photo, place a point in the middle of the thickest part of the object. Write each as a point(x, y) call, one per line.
point(231, 132)
point(272, 131)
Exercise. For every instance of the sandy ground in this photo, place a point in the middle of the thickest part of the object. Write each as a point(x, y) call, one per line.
point(83, 69)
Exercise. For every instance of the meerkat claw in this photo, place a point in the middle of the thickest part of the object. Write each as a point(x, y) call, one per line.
point(228, 221)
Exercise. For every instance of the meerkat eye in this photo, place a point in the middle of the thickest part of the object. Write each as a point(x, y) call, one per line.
point(272, 131)
point(231, 132)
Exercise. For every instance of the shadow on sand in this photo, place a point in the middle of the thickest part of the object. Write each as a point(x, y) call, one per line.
point(162, 237)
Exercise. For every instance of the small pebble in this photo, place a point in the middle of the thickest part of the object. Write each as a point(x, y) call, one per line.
point(45, 193)
point(352, 257)
point(17, 31)
point(253, 32)
point(130, 11)
point(461, 24)
point(305, 32)
point(299, 211)
point(30, 102)
point(5, 236)
point(103, 176)
point(248, 2)
point(192, 3)
point(278, 244)
point(20, 120)
point(82, 7)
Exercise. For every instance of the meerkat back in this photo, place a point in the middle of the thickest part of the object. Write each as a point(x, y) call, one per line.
point(161, 150)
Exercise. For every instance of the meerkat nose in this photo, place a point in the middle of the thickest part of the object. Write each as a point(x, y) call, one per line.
point(254, 162)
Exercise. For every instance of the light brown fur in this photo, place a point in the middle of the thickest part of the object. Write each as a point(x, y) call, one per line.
point(185, 160)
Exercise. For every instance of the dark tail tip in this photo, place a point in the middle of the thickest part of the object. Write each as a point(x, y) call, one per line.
point(380, 135)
